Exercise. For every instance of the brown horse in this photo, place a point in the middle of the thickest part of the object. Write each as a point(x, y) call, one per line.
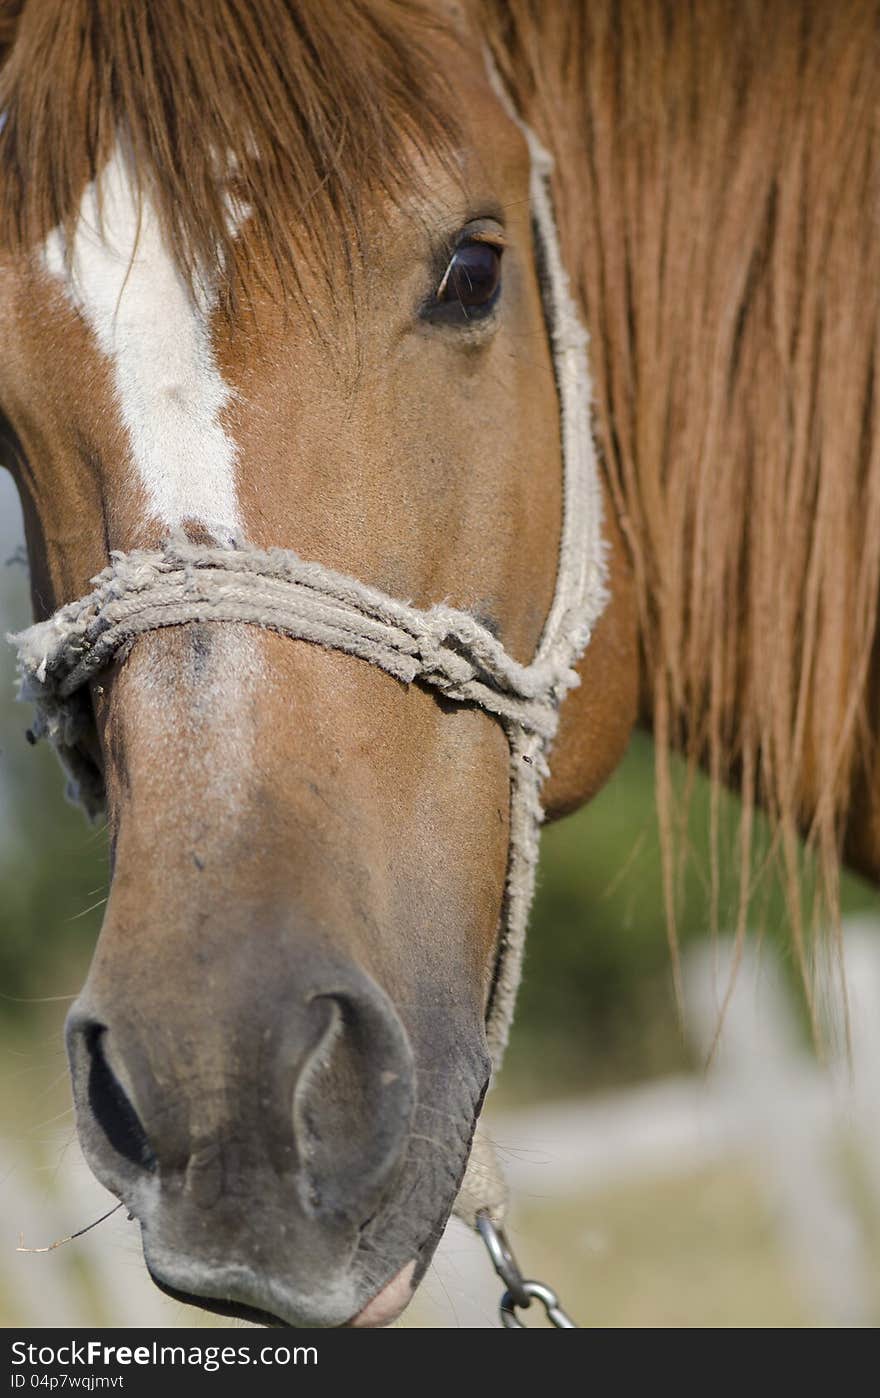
point(267, 269)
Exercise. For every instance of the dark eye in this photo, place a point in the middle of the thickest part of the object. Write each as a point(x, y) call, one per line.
point(471, 281)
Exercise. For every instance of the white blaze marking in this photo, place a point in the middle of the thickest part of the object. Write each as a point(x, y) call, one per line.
point(170, 393)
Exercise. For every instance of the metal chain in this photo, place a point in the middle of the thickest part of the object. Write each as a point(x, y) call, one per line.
point(519, 1292)
point(549, 1300)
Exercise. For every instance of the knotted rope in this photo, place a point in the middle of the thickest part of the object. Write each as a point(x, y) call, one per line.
point(183, 582)
point(441, 647)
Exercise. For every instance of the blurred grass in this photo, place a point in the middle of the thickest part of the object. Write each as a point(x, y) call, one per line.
point(697, 1250)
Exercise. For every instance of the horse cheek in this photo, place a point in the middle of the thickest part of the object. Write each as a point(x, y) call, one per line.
point(597, 718)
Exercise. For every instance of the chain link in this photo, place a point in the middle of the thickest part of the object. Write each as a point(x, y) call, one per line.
point(549, 1300)
point(519, 1292)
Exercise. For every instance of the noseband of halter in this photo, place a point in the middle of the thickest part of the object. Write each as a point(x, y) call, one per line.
point(442, 648)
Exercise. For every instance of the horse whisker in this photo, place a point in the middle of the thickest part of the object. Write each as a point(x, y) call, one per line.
point(70, 1237)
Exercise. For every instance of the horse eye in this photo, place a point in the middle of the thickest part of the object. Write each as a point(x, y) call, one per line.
point(472, 277)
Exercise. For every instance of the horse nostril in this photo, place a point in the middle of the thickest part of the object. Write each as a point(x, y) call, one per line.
point(110, 1105)
point(354, 1099)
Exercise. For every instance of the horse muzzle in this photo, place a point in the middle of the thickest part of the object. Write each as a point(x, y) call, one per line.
point(254, 1138)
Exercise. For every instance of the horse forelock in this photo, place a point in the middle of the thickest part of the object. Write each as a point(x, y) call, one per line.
point(299, 111)
point(168, 159)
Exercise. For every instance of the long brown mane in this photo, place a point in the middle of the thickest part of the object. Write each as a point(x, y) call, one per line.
point(311, 108)
point(717, 181)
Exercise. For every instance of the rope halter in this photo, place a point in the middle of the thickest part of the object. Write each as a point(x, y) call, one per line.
point(441, 647)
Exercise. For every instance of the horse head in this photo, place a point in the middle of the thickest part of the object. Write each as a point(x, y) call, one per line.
point(280, 1053)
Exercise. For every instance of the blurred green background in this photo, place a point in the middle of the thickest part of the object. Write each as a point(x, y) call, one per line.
point(597, 1012)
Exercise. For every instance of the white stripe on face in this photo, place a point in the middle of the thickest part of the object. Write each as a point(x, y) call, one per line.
point(170, 394)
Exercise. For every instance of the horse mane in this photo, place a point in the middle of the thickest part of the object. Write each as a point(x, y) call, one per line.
point(311, 108)
point(718, 184)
